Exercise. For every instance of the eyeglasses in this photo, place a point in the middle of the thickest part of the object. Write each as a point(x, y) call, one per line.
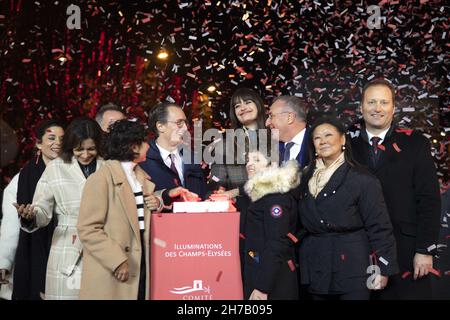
point(180, 123)
point(275, 114)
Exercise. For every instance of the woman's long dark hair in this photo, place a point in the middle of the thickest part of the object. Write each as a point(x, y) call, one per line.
point(336, 123)
point(247, 94)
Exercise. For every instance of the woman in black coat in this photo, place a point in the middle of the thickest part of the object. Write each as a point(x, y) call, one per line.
point(33, 248)
point(349, 247)
point(270, 222)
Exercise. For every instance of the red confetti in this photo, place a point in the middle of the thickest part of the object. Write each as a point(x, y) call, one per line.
point(381, 147)
point(219, 275)
point(396, 147)
point(408, 132)
point(435, 272)
point(291, 265)
point(292, 237)
point(406, 274)
point(241, 236)
point(74, 237)
point(343, 257)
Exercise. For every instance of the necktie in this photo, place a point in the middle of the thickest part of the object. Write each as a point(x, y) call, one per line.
point(287, 151)
point(172, 165)
point(376, 152)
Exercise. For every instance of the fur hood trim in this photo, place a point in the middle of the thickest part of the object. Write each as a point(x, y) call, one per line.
point(274, 180)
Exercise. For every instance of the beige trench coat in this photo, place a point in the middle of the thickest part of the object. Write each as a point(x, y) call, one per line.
point(109, 231)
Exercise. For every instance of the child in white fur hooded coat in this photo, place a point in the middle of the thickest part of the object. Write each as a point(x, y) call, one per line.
point(271, 222)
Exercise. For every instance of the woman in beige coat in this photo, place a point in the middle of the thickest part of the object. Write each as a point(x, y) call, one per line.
point(59, 192)
point(114, 221)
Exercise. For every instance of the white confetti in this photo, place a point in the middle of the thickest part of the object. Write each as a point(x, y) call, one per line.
point(159, 242)
point(383, 260)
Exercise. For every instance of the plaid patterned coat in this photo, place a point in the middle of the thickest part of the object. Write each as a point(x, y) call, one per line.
point(59, 192)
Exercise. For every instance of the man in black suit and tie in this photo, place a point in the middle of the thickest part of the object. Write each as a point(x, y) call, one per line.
point(165, 163)
point(401, 160)
point(287, 114)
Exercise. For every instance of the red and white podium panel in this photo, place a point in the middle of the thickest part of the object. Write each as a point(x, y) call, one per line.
point(195, 256)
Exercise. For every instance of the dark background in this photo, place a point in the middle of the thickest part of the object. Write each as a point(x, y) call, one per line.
point(321, 51)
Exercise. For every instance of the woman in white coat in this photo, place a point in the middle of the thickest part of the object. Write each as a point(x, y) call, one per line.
point(9, 237)
point(27, 253)
point(59, 191)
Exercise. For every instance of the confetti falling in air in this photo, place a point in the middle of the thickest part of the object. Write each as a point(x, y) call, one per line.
point(160, 243)
point(219, 275)
point(406, 274)
point(292, 237)
point(437, 273)
point(291, 265)
point(321, 52)
point(396, 147)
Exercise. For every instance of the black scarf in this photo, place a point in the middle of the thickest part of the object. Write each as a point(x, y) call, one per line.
point(88, 169)
point(28, 179)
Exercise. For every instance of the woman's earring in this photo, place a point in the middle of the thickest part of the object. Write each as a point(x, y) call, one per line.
point(316, 154)
point(38, 153)
point(343, 148)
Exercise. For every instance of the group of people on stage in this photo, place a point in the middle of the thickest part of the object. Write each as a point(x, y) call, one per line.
point(342, 216)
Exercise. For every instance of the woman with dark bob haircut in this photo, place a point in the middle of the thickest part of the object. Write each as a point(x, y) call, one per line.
point(30, 259)
point(59, 192)
point(114, 222)
point(343, 211)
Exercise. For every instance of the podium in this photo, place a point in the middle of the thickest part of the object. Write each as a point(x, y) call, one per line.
point(195, 256)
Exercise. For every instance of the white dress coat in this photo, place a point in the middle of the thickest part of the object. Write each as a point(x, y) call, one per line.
point(59, 192)
point(9, 234)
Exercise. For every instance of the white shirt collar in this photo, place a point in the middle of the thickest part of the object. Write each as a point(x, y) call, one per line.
point(298, 138)
point(382, 135)
point(165, 153)
point(128, 166)
point(247, 129)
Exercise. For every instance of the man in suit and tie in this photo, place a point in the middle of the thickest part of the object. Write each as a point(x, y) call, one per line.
point(164, 163)
point(287, 114)
point(401, 160)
